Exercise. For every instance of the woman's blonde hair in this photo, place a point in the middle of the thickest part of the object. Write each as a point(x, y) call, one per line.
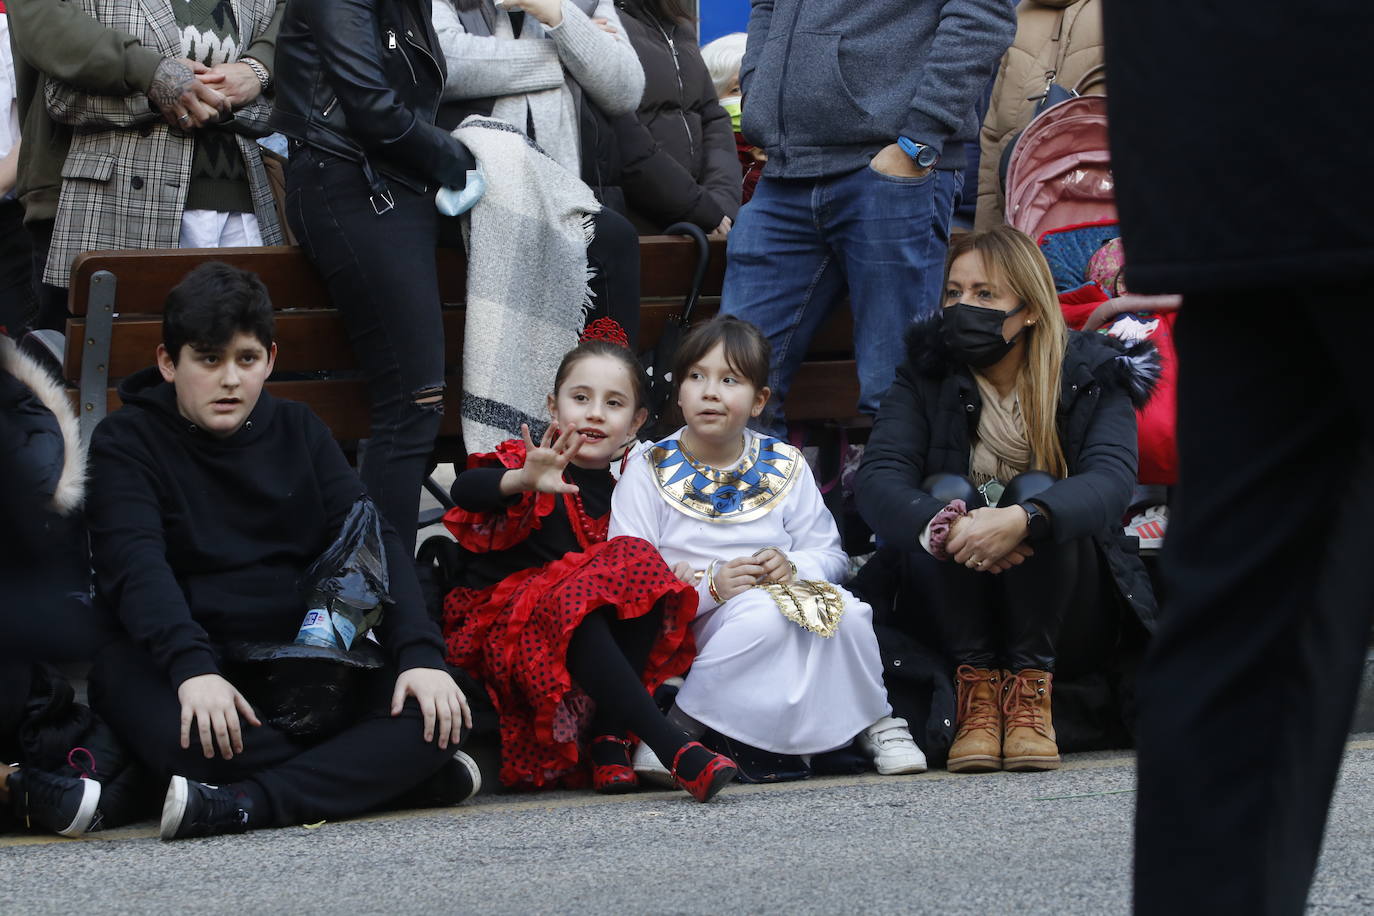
point(1011, 258)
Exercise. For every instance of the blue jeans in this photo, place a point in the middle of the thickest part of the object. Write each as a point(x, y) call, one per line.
point(800, 245)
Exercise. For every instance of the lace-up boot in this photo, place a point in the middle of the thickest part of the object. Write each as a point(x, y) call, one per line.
point(977, 746)
point(1028, 741)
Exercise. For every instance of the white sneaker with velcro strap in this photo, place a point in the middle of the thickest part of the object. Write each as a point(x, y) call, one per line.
point(888, 741)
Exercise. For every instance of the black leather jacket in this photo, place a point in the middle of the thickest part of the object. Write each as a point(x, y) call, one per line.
point(361, 79)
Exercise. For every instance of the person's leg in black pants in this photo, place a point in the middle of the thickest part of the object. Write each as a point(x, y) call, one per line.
point(290, 781)
point(382, 276)
point(1247, 692)
point(17, 303)
point(51, 300)
point(614, 257)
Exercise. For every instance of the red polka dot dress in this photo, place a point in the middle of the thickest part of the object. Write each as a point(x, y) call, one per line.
point(542, 565)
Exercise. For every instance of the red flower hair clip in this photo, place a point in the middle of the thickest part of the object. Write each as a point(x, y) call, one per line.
point(607, 329)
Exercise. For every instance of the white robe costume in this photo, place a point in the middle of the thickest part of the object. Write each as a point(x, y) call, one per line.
point(758, 677)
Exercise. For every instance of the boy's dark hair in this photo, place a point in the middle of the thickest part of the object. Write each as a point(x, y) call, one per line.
point(213, 303)
point(639, 382)
point(747, 351)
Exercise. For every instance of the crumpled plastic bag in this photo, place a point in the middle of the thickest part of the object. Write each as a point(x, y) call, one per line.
point(347, 587)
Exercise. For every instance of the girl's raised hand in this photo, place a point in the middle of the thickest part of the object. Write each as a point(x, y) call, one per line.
point(545, 463)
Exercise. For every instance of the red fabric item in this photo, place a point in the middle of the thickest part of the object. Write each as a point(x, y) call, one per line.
point(514, 636)
point(484, 531)
point(1157, 423)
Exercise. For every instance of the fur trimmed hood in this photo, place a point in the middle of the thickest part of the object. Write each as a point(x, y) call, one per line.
point(67, 475)
point(1134, 368)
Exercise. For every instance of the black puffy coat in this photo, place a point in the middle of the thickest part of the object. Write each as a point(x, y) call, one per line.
point(361, 79)
point(689, 170)
point(928, 419)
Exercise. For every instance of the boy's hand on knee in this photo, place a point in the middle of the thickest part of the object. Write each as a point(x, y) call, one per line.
point(214, 705)
point(737, 576)
point(441, 702)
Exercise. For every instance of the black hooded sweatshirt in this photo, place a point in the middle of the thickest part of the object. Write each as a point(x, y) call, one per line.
point(197, 540)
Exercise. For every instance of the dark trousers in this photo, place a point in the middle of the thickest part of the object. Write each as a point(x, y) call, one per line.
point(1247, 692)
point(290, 781)
point(51, 300)
point(383, 279)
point(17, 303)
point(1014, 620)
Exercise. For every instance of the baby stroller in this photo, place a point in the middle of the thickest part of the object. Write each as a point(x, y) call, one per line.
point(1060, 191)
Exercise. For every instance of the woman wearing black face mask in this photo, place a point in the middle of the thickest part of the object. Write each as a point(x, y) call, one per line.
point(1000, 463)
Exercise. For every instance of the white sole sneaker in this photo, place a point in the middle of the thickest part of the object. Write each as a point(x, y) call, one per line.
point(471, 766)
point(174, 807)
point(86, 811)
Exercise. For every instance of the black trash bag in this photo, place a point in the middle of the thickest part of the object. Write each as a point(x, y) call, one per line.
point(315, 687)
point(347, 585)
point(305, 691)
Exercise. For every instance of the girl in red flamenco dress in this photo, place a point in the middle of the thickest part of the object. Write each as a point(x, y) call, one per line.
point(569, 631)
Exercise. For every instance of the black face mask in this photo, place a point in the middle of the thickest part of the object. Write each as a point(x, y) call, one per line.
point(973, 333)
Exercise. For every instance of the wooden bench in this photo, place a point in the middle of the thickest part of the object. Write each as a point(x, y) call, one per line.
point(117, 296)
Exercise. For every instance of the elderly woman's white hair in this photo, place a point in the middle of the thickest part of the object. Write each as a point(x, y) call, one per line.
point(723, 57)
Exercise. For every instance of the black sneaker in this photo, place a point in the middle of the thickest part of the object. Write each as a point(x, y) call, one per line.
point(456, 782)
point(63, 804)
point(196, 809)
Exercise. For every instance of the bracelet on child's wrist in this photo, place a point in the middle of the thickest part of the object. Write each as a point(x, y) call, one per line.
point(711, 582)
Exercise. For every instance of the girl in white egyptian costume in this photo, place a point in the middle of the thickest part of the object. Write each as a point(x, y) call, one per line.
point(787, 661)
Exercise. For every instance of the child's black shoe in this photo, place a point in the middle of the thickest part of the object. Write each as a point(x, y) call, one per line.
point(194, 809)
point(63, 804)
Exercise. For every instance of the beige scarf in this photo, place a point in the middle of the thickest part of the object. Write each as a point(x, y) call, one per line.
point(1002, 449)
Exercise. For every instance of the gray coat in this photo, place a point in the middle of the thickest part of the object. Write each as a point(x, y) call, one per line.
point(828, 83)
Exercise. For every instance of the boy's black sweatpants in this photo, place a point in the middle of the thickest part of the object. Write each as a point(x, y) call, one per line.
point(290, 781)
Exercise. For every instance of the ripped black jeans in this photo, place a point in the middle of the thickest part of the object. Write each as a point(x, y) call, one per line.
point(382, 277)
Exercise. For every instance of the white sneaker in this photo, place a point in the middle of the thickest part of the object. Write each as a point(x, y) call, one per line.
point(888, 741)
point(1149, 527)
point(650, 769)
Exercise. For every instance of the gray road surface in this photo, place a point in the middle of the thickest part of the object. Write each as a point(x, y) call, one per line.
point(1052, 843)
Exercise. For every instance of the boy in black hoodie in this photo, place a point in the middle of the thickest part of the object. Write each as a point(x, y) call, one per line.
point(209, 498)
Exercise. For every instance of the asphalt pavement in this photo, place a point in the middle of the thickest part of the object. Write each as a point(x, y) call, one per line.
point(937, 843)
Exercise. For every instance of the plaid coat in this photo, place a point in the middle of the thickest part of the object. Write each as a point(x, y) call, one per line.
point(125, 180)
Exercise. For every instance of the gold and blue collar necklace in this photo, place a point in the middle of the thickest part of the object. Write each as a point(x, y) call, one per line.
point(749, 490)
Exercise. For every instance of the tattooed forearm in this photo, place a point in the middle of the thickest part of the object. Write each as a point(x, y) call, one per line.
point(170, 82)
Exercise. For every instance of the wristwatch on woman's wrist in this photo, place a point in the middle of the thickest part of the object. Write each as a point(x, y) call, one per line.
point(1037, 522)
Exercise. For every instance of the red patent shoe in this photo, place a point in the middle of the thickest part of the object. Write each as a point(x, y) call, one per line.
point(716, 775)
point(613, 778)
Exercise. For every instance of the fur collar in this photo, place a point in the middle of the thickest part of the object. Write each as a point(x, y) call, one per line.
point(1134, 369)
point(70, 491)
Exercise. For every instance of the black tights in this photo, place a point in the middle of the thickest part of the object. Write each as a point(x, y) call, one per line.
point(606, 658)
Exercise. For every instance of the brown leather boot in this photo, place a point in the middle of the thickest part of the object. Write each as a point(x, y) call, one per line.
point(1028, 728)
point(977, 746)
